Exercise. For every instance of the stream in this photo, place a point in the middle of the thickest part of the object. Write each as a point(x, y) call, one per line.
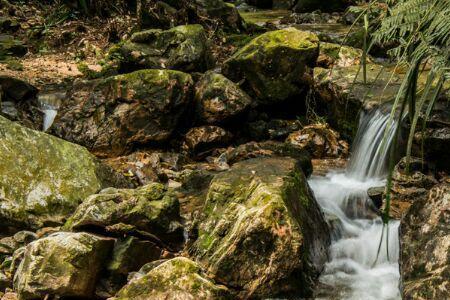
point(353, 270)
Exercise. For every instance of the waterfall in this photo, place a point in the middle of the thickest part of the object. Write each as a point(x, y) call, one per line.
point(353, 271)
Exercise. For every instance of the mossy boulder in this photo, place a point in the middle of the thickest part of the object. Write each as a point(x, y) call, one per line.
point(272, 66)
point(43, 178)
point(151, 211)
point(184, 48)
point(61, 265)
point(261, 232)
point(178, 278)
point(340, 97)
point(112, 115)
point(425, 246)
point(9, 46)
point(214, 12)
point(218, 99)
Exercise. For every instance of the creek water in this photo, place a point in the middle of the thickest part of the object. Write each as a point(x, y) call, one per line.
point(353, 271)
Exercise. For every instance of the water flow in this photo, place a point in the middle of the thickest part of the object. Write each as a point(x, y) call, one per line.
point(354, 272)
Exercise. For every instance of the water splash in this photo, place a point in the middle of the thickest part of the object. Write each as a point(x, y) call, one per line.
point(351, 272)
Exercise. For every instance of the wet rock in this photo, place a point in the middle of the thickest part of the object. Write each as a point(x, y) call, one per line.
point(61, 265)
point(425, 247)
point(199, 140)
point(218, 99)
point(184, 48)
point(409, 187)
point(328, 6)
point(178, 278)
point(112, 115)
point(320, 141)
point(376, 195)
point(46, 177)
point(16, 90)
point(270, 149)
point(261, 231)
point(272, 66)
point(9, 46)
point(151, 211)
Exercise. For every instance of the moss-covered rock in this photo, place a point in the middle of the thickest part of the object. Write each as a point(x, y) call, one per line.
point(218, 99)
point(272, 66)
point(216, 12)
point(43, 178)
point(61, 265)
point(184, 48)
point(151, 211)
point(425, 246)
point(178, 278)
point(112, 115)
point(261, 231)
point(11, 47)
point(340, 98)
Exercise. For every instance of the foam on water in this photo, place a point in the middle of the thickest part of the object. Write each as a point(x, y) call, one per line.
point(352, 272)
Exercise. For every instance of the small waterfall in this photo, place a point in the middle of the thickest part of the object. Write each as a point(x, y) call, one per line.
point(351, 272)
point(371, 146)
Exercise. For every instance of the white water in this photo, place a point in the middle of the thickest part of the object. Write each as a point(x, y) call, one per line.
point(352, 272)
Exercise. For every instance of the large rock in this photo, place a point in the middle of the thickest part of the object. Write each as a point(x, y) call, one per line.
point(199, 140)
point(44, 178)
point(326, 6)
point(184, 48)
point(218, 99)
point(151, 211)
point(178, 278)
point(261, 231)
point(272, 66)
point(425, 246)
point(340, 97)
point(212, 12)
point(320, 141)
point(9, 46)
point(61, 265)
point(112, 115)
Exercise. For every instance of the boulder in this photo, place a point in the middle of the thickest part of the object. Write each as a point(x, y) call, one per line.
point(340, 98)
point(409, 187)
point(9, 46)
point(184, 48)
point(261, 232)
point(214, 12)
point(425, 246)
point(218, 99)
point(326, 6)
point(270, 149)
point(272, 66)
point(61, 265)
point(151, 211)
point(201, 139)
point(111, 116)
point(178, 278)
point(44, 178)
point(320, 141)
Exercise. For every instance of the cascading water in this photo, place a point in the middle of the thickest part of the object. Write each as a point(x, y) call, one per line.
point(354, 272)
